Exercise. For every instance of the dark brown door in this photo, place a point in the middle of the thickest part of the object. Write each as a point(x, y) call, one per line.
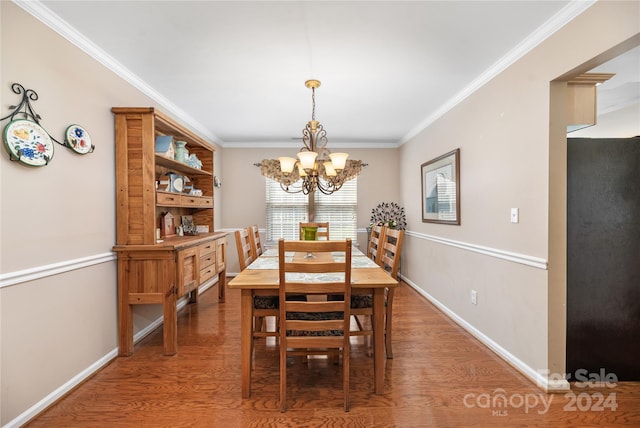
point(603, 257)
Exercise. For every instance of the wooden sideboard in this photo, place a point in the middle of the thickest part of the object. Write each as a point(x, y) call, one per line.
point(161, 274)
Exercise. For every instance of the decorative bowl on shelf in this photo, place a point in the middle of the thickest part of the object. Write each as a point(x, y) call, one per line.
point(194, 162)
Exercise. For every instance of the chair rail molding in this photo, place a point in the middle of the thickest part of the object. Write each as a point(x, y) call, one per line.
point(524, 259)
point(38, 272)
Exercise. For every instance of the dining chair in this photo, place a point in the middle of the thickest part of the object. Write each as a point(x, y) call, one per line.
point(390, 262)
point(362, 305)
point(263, 306)
point(321, 231)
point(243, 245)
point(388, 257)
point(377, 236)
point(256, 244)
point(314, 326)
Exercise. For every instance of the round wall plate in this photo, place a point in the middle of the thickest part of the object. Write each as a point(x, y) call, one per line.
point(28, 142)
point(78, 139)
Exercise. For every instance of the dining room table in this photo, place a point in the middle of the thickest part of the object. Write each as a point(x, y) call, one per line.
point(261, 278)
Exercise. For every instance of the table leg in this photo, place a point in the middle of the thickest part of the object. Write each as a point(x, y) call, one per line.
point(222, 285)
point(246, 314)
point(378, 339)
point(125, 314)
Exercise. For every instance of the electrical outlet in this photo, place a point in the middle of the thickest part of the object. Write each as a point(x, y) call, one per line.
point(474, 297)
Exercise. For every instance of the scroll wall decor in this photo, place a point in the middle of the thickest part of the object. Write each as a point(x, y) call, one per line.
point(28, 142)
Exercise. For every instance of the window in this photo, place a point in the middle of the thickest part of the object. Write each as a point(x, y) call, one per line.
point(339, 209)
point(286, 210)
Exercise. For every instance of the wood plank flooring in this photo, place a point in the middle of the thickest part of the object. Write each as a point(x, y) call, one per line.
point(440, 377)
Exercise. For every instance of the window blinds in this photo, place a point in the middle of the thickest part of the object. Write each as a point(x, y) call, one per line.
point(286, 210)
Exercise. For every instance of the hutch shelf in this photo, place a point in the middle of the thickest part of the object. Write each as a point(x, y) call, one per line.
point(152, 269)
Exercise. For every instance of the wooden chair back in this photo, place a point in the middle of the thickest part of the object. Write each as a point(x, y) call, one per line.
point(256, 244)
point(390, 261)
point(390, 251)
point(243, 245)
point(314, 324)
point(375, 241)
point(323, 229)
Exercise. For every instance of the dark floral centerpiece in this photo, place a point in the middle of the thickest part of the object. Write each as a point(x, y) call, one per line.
point(388, 214)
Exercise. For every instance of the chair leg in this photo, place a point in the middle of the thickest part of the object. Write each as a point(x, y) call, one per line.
point(259, 323)
point(358, 322)
point(283, 380)
point(345, 373)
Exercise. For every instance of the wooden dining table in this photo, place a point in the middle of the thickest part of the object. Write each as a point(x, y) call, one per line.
point(261, 278)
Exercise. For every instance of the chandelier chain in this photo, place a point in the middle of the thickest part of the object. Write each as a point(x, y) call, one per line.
point(313, 103)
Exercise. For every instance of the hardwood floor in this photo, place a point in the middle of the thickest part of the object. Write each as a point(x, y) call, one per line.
point(440, 377)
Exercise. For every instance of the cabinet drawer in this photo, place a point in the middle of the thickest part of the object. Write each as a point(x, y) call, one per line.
point(190, 201)
point(207, 248)
point(207, 273)
point(196, 201)
point(168, 199)
point(207, 260)
point(206, 202)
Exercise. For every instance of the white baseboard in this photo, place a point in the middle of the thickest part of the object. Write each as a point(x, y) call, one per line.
point(64, 389)
point(59, 392)
point(542, 381)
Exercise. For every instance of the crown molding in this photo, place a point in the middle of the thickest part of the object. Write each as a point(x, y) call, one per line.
point(53, 21)
point(60, 26)
point(297, 144)
point(556, 22)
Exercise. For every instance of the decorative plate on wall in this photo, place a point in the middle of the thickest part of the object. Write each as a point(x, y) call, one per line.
point(27, 142)
point(78, 139)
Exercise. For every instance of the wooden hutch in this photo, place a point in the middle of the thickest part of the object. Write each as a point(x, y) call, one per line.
point(152, 269)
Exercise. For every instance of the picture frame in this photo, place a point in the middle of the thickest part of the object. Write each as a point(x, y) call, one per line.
point(440, 179)
point(188, 226)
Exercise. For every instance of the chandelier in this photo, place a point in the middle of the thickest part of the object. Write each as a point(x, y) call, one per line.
point(316, 167)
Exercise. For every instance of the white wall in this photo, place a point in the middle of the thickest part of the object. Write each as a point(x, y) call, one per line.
point(511, 156)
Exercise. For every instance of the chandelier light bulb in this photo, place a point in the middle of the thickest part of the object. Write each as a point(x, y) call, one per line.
point(339, 160)
point(328, 169)
point(307, 159)
point(287, 164)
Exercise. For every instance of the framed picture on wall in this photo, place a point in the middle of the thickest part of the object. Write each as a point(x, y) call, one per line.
point(441, 189)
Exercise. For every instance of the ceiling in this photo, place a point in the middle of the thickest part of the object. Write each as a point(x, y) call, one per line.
point(235, 70)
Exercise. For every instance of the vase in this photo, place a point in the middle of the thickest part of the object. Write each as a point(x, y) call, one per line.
point(182, 154)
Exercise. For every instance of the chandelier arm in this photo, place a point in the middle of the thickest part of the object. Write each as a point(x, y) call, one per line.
point(289, 190)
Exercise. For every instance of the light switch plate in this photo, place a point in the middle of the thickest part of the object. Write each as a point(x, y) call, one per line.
point(515, 216)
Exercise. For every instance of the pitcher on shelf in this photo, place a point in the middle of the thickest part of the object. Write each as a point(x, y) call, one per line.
point(182, 154)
